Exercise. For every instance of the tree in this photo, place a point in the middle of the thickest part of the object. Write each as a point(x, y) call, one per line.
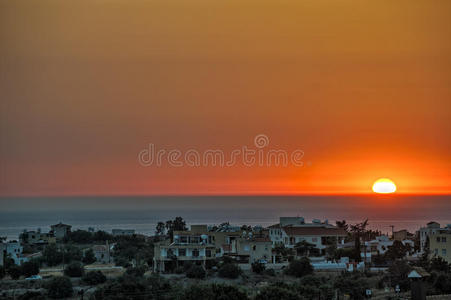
point(14, 271)
point(2, 272)
point(196, 271)
point(94, 278)
point(258, 267)
point(342, 225)
point(30, 268)
point(89, 257)
point(136, 271)
point(72, 253)
point(59, 287)
point(398, 272)
point(440, 265)
point(51, 255)
point(396, 251)
point(351, 284)
point(357, 231)
point(178, 224)
point(160, 229)
point(74, 269)
point(231, 271)
point(299, 268)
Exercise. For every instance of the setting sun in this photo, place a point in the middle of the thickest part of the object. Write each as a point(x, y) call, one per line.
point(384, 186)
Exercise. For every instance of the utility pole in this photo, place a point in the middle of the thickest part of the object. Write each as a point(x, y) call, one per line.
point(392, 231)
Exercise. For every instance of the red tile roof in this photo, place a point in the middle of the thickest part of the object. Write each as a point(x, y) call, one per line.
point(319, 231)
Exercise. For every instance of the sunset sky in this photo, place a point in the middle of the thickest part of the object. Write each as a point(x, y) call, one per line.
point(363, 88)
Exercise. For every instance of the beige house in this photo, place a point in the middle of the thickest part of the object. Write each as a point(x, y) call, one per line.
point(196, 246)
point(37, 237)
point(60, 230)
point(440, 244)
point(252, 249)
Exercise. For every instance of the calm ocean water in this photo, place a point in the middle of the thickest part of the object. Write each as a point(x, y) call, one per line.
point(142, 213)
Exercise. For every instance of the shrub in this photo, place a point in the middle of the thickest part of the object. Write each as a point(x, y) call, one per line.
point(2, 272)
point(30, 268)
point(353, 285)
point(278, 292)
point(136, 272)
point(258, 267)
point(74, 269)
point(196, 272)
point(270, 272)
point(299, 268)
point(15, 272)
point(231, 271)
point(59, 287)
point(214, 292)
point(94, 278)
point(89, 257)
point(31, 295)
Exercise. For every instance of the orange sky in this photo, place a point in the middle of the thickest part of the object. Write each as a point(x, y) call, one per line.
point(362, 87)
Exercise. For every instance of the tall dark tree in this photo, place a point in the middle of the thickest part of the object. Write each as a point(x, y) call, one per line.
point(357, 231)
point(177, 224)
point(160, 229)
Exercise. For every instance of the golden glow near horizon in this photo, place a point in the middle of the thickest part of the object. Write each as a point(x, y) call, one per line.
point(361, 87)
point(384, 186)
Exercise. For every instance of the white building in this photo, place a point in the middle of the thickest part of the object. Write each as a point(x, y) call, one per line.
point(11, 249)
point(293, 230)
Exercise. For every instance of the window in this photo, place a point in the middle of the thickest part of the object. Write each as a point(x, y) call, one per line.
point(182, 252)
point(208, 253)
point(438, 239)
point(246, 248)
point(436, 251)
point(195, 253)
point(183, 239)
point(444, 252)
point(444, 239)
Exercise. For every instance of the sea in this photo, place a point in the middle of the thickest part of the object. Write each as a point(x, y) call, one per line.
point(142, 213)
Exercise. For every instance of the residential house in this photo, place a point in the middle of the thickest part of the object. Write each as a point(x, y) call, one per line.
point(400, 235)
point(118, 232)
point(37, 237)
point(102, 253)
point(291, 231)
point(440, 244)
point(60, 230)
point(11, 249)
point(195, 246)
point(252, 249)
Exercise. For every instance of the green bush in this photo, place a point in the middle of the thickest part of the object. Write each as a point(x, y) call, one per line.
point(15, 272)
point(30, 268)
point(59, 287)
point(299, 268)
point(213, 292)
point(231, 271)
point(74, 269)
point(2, 272)
point(278, 291)
point(89, 257)
point(30, 295)
point(136, 272)
point(270, 272)
point(258, 267)
point(195, 271)
point(94, 278)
